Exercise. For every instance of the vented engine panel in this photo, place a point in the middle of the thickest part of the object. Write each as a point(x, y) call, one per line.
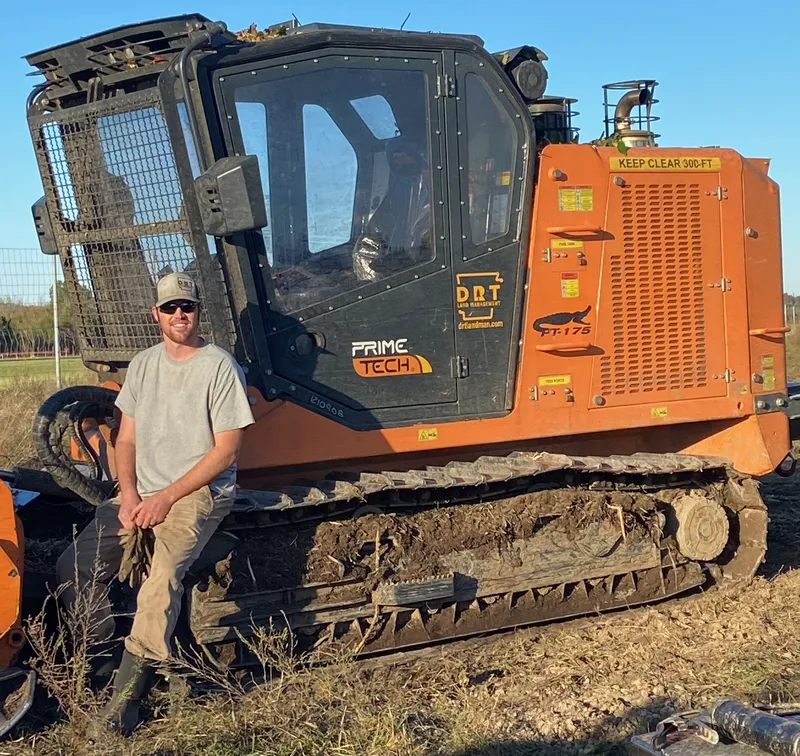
point(662, 284)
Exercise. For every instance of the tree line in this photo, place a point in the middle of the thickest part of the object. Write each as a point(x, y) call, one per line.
point(28, 329)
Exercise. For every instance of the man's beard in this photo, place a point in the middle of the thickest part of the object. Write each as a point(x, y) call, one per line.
point(181, 335)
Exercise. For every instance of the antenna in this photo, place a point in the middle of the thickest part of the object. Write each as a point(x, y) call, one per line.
point(404, 22)
point(296, 20)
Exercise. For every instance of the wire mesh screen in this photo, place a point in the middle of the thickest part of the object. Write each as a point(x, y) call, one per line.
point(116, 203)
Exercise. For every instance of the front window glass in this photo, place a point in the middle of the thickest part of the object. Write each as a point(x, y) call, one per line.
point(330, 184)
point(253, 124)
point(376, 112)
point(345, 164)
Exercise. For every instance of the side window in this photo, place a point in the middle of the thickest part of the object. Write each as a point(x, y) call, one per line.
point(344, 153)
point(491, 147)
point(331, 169)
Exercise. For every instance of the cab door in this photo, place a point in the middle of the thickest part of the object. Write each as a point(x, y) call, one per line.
point(493, 137)
point(358, 305)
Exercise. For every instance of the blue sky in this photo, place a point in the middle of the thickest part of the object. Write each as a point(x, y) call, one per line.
point(726, 70)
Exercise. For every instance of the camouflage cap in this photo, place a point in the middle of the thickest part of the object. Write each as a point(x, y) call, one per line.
point(176, 286)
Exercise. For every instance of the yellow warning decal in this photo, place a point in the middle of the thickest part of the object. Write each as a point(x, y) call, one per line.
point(656, 412)
point(576, 199)
point(768, 372)
point(672, 163)
point(565, 244)
point(554, 380)
point(570, 286)
point(428, 434)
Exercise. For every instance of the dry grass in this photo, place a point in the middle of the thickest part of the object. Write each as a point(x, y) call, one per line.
point(793, 355)
point(19, 401)
point(573, 689)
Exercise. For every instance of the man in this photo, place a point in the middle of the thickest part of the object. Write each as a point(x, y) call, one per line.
point(184, 408)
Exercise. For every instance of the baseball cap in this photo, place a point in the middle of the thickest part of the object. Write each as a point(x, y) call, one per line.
point(176, 286)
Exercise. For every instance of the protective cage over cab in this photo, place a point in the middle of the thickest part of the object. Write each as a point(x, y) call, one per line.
point(317, 170)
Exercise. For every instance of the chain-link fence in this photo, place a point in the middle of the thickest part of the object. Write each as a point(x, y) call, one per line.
point(35, 330)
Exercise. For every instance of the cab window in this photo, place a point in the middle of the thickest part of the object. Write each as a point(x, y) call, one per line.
point(347, 172)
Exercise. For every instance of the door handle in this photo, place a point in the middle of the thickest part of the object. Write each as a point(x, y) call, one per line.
point(572, 346)
point(769, 331)
point(574, 230)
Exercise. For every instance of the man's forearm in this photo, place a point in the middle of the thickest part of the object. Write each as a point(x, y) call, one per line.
point(209, 467)
point(125, 457)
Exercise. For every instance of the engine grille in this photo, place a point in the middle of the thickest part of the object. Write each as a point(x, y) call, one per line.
point(116, 203)
point(657, 294)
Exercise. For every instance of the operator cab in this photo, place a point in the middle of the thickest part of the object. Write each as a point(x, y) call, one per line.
point(354, 202)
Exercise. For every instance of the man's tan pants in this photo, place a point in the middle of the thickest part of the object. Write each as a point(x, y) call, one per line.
point(97, 552)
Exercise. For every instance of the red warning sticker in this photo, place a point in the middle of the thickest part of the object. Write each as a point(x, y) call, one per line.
point(570, 287)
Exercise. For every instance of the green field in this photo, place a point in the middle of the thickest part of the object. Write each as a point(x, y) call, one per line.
point(42, 369)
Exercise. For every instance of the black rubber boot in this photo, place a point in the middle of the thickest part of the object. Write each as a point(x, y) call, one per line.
point(132, 682)
point(105, 660)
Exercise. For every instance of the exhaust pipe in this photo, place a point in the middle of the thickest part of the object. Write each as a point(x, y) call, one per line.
point(628, 101)
point(624, 124)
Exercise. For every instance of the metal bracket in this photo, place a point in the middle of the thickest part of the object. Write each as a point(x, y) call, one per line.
point(459, 367)
point(774, 402)
point(445, 86)
point(722, 193)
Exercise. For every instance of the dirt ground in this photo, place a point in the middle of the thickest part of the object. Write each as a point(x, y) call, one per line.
point(580, 687)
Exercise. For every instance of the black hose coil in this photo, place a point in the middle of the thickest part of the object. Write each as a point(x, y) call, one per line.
point(63, 414)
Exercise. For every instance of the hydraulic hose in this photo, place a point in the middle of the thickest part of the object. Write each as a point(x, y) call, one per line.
point(62, 414)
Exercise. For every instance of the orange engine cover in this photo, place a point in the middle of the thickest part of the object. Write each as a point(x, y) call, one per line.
point(652, 321)
point(11, 562)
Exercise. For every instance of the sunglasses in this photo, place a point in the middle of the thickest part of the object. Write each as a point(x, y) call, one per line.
point(168, 308)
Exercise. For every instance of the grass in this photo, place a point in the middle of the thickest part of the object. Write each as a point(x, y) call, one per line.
point(575, 689)
point(19, 400)
point(43, 368)
point(793, 355)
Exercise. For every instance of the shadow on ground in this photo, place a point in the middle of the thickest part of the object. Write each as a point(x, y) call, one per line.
point(782, 497)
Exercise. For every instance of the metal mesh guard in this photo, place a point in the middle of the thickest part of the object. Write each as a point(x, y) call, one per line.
point(113, 191)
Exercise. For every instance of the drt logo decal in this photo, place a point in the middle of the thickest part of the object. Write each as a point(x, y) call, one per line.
point(378, 359)
point(478, 298)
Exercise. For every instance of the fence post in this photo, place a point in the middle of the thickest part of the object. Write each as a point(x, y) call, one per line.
point(56, 328)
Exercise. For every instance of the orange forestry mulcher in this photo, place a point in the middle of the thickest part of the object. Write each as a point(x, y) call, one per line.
point(499, 377)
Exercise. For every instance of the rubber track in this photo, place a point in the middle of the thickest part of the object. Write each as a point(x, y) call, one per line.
point(343, 487)
point(486, 478)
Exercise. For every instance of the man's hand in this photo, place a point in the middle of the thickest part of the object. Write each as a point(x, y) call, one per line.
point(129, 501)
point(154, 509)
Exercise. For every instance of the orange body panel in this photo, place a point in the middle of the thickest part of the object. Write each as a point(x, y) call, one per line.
point(11, 560)
point(677, 266)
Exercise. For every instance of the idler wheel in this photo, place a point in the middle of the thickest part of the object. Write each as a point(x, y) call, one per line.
point(701, 527)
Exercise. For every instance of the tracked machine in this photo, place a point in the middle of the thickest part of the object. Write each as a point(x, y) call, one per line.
point(499, 377)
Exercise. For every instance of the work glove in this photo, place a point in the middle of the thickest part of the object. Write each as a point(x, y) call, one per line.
point(137, 552)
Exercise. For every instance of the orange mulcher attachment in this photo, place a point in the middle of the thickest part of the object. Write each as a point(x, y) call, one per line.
point(16, 685)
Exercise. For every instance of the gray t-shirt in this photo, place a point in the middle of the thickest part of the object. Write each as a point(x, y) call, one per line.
point(178, 406)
